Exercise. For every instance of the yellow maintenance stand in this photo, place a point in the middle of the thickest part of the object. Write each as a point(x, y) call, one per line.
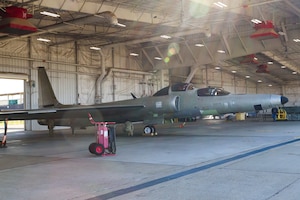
point(281, 115)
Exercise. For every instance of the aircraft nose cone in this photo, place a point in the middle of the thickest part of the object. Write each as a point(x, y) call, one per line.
point(284, 100)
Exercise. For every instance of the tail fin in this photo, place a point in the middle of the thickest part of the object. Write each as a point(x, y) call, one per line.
point(46, 95)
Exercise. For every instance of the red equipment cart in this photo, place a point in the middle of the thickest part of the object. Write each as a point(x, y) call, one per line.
point(105, 138)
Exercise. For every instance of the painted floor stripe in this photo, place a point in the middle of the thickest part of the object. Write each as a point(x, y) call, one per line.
point(187, 172)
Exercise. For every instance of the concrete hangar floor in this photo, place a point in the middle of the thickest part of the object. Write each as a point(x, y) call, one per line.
point(207, 159)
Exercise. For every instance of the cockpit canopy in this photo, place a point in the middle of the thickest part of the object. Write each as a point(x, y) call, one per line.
point(175, 88)
point(212, 91)
point(180, 87)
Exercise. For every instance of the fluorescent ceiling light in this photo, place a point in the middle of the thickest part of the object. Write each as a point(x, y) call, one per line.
point(294, 72)
point(259, 81)
point(157, 58)
point(270, 63)
point(296, 40)
point(220, 4)
point(121, 25)
point(95, 48)
point(270, 85)
point(221, 51)
point(134, 54)
point(217, 68)
point(283, 67)
point(43, 40)
point(233, 71)
point(199, 45)
point(165, 36)
point(247, 76)
point(256, 21)
point(50, 14)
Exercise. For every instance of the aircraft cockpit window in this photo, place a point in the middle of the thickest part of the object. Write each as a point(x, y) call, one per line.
point(174, 88)
point(212, 92)
point(162, 92)
point(182, 87)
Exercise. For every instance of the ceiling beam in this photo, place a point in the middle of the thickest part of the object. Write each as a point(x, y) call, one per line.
point(293, 7)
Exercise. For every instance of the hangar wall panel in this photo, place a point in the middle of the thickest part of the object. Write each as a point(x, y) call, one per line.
point(86, 89)
point(292, 91)
point(64, 85)
point(17, 48)
point(61, 54)
point(39, 51)
point(121, 85)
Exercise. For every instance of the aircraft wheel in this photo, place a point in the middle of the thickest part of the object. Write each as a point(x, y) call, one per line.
point(148, 130)
point(153, 130)
point(99, 149)
point(92, 147)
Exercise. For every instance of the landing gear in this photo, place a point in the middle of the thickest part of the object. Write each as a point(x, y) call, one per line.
point(150, 130)
point(73, 130)
point(128, 129)
point(50, 126)
point(72, 125)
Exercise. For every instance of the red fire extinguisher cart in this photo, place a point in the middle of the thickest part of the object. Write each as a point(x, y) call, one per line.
point(105, 138)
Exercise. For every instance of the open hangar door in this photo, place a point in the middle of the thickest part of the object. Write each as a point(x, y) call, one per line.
point(12, 96)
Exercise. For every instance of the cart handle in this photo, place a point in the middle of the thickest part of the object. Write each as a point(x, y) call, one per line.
point(98, 123)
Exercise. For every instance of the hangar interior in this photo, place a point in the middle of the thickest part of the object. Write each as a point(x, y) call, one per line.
point(98, 51)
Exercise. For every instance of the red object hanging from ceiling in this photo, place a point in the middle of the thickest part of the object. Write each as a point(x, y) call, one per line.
point(263, 68)
point(264, 30)
point(15, 21)
point(249, 59)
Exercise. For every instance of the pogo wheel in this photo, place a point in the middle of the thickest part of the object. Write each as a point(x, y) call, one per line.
point(92, 147)
point(99, 149)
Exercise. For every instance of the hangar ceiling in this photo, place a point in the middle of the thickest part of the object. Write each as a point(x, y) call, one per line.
point(206, 33)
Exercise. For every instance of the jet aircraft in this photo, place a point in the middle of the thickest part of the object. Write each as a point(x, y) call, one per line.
point(180, 100)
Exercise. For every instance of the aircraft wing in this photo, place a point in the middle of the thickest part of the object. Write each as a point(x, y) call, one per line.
point(66, 112)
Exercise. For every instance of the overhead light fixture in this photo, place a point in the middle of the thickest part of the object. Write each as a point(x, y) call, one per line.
point(247, 76)
point(165, 36)
point(256, 21)
point(157, 58)
point(134, 54)
point(270, 85)
point(217, 68)
point(296, 40)
point(199, 45)
point(294, 73)
point(121, 25)
point(233, 71)
point(283, 67)
point(95, 48)
point(43, 40)
point(49, 14)
point(259, 81)
point(270, 63)
point(220, 4)
point(221, 51)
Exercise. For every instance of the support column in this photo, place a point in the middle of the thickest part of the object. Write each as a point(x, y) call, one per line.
point(193, 71)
